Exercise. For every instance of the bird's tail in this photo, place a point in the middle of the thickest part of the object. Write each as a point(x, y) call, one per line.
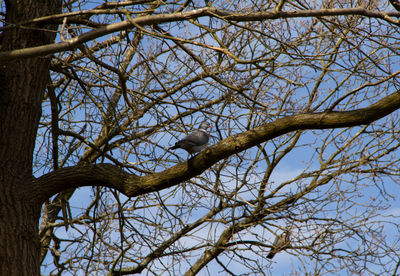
point(173, 147)
point(271, 255)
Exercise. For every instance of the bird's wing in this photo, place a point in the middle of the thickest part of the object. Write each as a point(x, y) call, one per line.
point(197, 138)
point(277, 241)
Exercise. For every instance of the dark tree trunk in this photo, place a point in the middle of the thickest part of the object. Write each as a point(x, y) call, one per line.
point(22, 86)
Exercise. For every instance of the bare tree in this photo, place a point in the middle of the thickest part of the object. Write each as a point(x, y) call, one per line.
point(303, 100)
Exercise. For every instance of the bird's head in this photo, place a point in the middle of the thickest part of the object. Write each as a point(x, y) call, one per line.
point(205, 125)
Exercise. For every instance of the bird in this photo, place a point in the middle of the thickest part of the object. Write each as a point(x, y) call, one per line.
point(195, 141)
point(281, 242)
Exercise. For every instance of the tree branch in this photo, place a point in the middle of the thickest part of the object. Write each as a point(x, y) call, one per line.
point(193, 14)
point(131, 185)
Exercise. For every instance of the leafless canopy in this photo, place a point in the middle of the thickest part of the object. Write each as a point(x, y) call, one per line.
point(302, 97)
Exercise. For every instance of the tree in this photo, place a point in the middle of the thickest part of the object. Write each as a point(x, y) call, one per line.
point(303, 98)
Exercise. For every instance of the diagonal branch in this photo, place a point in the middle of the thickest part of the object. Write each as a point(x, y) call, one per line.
point(187, 15)
point(131, 185)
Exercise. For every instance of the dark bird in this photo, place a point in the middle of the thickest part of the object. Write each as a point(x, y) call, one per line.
point(195, 141)
point(281, 242)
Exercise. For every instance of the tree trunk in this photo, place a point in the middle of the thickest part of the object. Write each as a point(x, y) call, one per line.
point(22, 86)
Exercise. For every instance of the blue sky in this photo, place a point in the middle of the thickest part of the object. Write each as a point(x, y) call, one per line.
point(308, 157)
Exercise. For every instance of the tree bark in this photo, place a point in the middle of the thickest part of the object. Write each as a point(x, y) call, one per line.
point(22, 85)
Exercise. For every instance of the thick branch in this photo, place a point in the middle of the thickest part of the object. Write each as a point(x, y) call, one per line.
point(112, 176)
point(181, 16)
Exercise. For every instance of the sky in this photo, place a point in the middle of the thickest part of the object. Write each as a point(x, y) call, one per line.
point(293, 164)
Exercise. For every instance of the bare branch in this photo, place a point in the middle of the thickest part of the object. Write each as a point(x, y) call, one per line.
point(165, 18)
point(131, 185)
